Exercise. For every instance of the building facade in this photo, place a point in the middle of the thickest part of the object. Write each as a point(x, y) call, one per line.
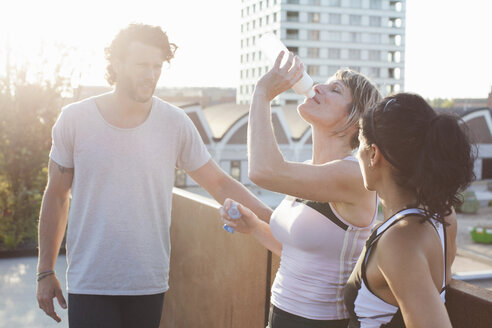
point(365, 35)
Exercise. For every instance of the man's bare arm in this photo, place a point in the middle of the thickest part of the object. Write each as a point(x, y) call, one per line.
point(52, 224)
point(221, 186)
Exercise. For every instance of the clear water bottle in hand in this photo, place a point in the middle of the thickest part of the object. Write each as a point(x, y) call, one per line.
point(234, 214)
point(271, 47)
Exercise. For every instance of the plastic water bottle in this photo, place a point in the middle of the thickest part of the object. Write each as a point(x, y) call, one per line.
point(271, 47)
point(234, 214)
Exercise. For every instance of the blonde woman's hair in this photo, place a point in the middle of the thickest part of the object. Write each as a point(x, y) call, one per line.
point(365, 95)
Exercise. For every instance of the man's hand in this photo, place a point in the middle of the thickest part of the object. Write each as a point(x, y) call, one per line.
point(49, 288)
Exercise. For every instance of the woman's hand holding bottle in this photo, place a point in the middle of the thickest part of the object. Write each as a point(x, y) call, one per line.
point(245, 223)
point(280, 78)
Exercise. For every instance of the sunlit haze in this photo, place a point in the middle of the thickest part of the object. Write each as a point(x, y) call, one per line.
point(448, 48)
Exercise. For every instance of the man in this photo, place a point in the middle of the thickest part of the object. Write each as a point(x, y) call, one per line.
point(116, 154)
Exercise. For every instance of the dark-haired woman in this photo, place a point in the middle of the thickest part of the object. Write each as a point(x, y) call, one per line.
point(417, 161)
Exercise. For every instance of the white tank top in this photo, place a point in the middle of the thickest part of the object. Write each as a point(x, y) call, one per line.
point(318, 254)
point(368, 310)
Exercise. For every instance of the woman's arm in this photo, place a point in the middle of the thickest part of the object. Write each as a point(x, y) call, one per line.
point(336, 181)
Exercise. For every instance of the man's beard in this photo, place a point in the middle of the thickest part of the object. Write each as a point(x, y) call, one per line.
point(131, 90)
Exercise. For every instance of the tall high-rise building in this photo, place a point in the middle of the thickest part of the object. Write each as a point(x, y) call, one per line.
point(365, 35)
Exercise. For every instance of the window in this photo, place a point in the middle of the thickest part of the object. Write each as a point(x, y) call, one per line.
point(394, 22)
point(333, 53)
point(375, 4)
point(292, 34)
point(374, 55)
point(397, 73)
point(332, 70)
point(179, 178)
point(355, 19)
point(334, 36)
point(355, 37)
point(391, 73)
point(398, 6)
point(313, 17)
point(374, 72)
point(294, 50)
point(356, 3)
point(374, 38)
point(293, 2)
point(397, 57)
point(334, 3)
point(314, 2)
point(274, 17)
point(267, 20)
point(313, 70)
point(313, 52)
point(395, 39)
point(334, 18)
point(313, 35)
point(375, 21)
point(354, 54)
point(292, 16)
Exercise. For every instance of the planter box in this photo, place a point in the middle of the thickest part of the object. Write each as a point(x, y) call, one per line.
point(481, 235)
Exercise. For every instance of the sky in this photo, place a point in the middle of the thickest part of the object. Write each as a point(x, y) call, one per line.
point(448, 48)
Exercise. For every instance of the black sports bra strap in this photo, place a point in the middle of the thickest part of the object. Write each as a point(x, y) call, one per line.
point(392, 221)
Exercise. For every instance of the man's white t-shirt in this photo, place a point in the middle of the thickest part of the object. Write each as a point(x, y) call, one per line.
point(118, 240)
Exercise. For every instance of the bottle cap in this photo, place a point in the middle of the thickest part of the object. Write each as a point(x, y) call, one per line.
point(310, 93)
point(233, 212)
point(228, 229)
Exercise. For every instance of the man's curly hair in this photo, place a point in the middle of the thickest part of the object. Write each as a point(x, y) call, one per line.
point(147, 34)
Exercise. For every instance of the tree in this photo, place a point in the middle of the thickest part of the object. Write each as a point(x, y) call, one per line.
point(441, 102)
point(28, 109)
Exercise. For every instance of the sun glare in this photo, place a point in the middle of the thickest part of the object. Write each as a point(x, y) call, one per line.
point(441, 50)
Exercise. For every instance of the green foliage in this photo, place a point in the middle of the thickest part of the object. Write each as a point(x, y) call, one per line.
point(441, 102)
point(28, 110)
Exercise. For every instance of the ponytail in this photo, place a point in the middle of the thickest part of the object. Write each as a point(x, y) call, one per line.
point(431, 154)
point(444, 166)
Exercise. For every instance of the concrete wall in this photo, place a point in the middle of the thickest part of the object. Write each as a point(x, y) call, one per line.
point(217, 279)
